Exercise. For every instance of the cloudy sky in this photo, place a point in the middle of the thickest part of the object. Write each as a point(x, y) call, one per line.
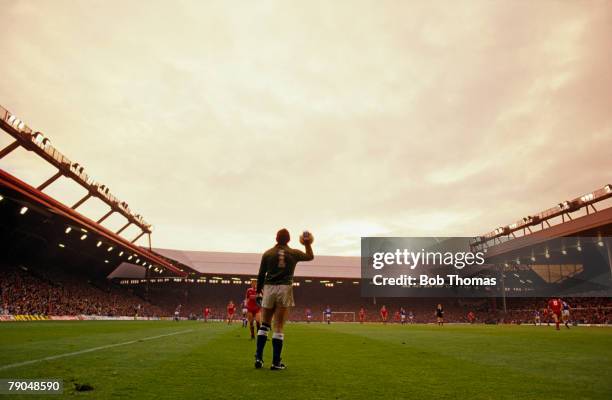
point(221, 122)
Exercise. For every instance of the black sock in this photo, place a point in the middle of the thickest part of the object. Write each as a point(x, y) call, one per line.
point(277, 348)
point(262, 337)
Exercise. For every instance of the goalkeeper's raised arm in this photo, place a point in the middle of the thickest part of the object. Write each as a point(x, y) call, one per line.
point(307, 242)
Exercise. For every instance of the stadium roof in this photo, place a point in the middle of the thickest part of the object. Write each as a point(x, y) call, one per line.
point(573, 218)
point(556, 221)
point(598, 224)
point(212, 262)
point(35, 225)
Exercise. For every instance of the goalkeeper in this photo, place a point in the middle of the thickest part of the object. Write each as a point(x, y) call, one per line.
point(275, 291)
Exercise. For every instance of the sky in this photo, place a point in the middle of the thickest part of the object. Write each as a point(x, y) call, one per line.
point(221, 122)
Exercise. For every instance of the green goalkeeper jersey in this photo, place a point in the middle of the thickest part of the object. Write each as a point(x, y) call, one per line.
point(278, 264)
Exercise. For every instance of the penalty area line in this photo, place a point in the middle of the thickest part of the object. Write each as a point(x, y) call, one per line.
point(91, 350)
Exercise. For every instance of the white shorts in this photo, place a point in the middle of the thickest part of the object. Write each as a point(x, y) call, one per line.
point(277, 295)
point(565, 313)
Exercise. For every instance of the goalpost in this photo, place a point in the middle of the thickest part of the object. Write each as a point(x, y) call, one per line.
point(345, 316)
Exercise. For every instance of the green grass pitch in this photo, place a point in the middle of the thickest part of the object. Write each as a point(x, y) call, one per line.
point(339, 361)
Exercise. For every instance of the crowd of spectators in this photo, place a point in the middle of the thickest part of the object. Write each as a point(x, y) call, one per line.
point(51, 292)
point(55, 292)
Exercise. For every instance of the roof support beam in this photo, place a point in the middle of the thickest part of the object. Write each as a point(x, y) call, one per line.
point(5, 151)
point(108, 214)
point(49, 181)
point(83, 200)
point(139, 236)
point(124, 227)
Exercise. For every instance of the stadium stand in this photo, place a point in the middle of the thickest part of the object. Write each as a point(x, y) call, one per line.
point(54, 291)
point(28, 291)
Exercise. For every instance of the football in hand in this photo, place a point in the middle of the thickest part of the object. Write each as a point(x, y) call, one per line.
point(306, 238)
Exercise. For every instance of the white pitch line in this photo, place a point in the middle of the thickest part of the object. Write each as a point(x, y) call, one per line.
point(76, 353)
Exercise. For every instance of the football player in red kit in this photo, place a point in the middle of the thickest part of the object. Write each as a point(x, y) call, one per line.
point(471, 317)
point(545, 315)
point(384, 314)
point(253, 310)
point(555, 308)
point(231, 309)
point(362, 315)
point(206, 314)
